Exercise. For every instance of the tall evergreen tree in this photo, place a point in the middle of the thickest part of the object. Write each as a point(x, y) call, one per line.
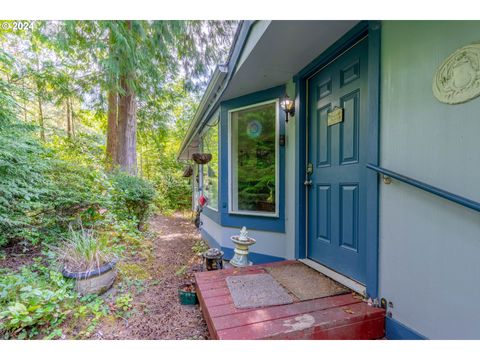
point(139, 59)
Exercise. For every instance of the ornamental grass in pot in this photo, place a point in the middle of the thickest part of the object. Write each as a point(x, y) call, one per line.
point(89, 260)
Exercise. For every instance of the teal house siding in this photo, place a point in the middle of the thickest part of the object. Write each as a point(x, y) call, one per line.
point(429, 247)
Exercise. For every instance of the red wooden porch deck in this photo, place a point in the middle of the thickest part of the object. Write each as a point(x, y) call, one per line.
point(334, 317)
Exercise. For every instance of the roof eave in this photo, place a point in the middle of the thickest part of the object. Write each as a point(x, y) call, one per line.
point(215, 87)
point(214, 84)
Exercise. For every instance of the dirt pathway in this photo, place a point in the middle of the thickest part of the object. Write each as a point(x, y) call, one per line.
point(157, 312)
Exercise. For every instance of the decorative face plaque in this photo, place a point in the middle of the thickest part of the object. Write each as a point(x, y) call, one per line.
point(335, 116)
point(457, 80)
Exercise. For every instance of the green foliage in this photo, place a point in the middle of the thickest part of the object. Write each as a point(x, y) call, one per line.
point(159, 145)
point(40, 193)
point(174, 192)
point(33, 298)
point(75, 190)
point(123, 303)
point(200, 247)
point(90, 310)
point(53, 83)
point(46, 187)
point(133, 196)
point(37, 300)
point(182, 270)
point(21, 180)
point(86, 149)
point(85, 251)
point(152, 50)
point(7, 101)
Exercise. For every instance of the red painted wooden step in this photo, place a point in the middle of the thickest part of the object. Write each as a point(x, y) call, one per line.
point(334, 317)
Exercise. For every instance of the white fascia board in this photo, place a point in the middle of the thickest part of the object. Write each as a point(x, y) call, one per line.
point(208, 98)
point(217, 85)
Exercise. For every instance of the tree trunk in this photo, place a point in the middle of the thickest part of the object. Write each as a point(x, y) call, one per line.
point(112, 129)
point(127, 129)
point(39, 99)
point(40, 119)
point(127, 122)
point(24, 101)
point(72, 119)
point(69, 119)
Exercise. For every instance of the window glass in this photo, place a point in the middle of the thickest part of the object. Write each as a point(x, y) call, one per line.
point(253, 159)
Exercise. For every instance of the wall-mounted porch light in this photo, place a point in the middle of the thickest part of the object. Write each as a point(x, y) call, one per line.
point(287, 105)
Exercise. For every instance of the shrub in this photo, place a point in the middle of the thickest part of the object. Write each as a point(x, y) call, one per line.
point(22, 180)
point(75, 190)
point(174, 192)
point(133, 197)
point(41, 194)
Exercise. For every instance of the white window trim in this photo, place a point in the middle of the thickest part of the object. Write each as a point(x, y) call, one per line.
point(215, 119)
point(277, 162)
point(196, 188)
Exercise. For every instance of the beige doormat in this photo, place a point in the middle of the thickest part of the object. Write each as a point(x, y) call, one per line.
point(256, 290)
point(306, 283)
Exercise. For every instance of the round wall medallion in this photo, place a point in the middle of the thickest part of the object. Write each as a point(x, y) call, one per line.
point(457, 80)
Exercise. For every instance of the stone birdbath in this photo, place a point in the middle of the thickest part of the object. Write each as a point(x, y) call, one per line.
point(242, 242)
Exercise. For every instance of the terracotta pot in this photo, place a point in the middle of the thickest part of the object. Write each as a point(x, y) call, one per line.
point(93, 282)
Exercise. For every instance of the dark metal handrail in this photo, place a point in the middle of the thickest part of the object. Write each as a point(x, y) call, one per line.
point(431, 189)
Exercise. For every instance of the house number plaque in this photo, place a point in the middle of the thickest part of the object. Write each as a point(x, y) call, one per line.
point(335, 116)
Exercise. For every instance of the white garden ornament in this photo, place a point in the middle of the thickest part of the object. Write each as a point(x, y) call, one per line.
point(242, 242)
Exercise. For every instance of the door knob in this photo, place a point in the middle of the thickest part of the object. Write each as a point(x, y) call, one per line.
point(308, 183)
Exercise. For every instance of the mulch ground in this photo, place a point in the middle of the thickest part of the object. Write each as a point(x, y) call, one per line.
point(15, 256)
point(158, 313)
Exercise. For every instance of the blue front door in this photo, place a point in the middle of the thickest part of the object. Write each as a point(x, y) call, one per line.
point(337, 132)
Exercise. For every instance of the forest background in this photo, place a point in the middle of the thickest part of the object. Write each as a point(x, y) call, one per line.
point(92, 114)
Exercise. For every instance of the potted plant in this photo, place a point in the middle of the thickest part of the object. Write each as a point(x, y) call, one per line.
point(187, 291)
point(201, 158)
point(89, 260)
point(187, 294)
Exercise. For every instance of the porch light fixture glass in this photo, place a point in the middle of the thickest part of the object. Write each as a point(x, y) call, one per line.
point(287, 105)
